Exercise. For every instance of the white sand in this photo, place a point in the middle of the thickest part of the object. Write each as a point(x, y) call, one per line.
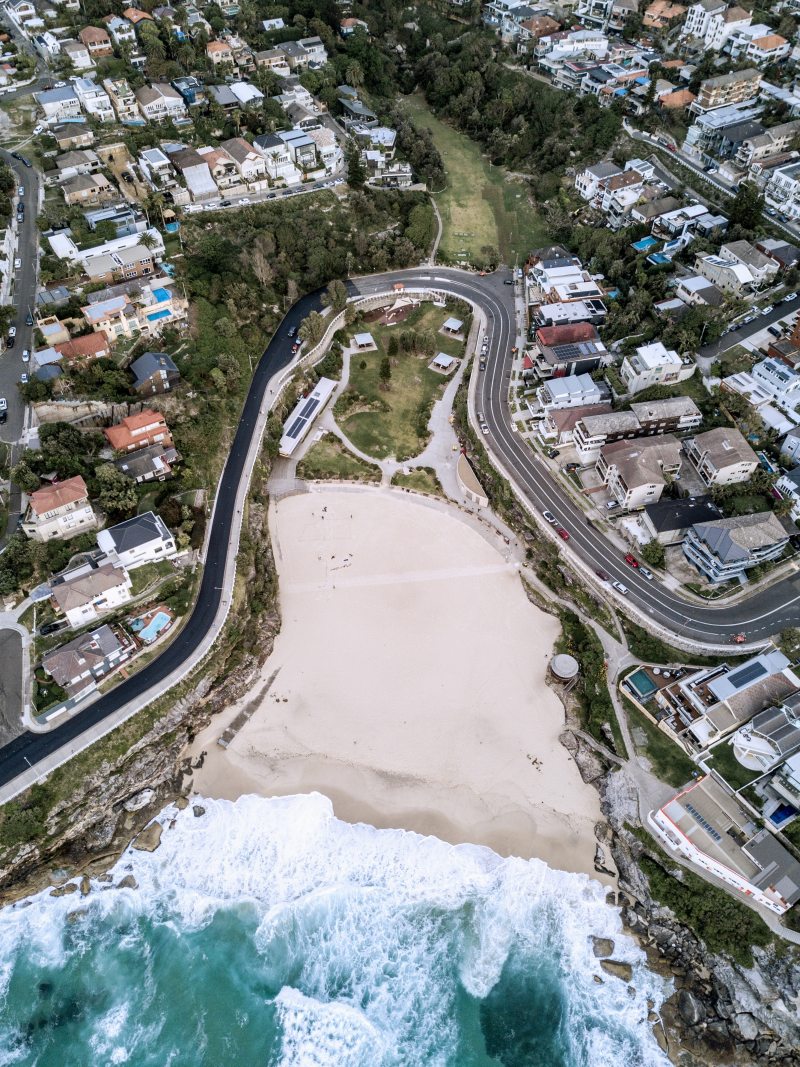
point(410, 685)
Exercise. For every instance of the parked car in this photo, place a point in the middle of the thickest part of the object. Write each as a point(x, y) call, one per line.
point(12, 331)
point(611, 504)
point(768, 309)
point(602, 576)
point(224, 203)
point(562, 533)
point(292, 331)
point(548, 516)
point(788, 299)
point(23, 379)
point(3, 409)
point(52, 627)
point(648, 574)
point(17, 264)
point(26, 356)
point(29, 319)
point(21, 190)
point(11, 339)
point(620, 588)
point(508, 281)
point(40, 127)
point(552, 453)
point(632, 561)
point(127, 177)
point(776, 331)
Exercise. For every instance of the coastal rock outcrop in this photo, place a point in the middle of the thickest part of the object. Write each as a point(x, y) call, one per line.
point(148, 839)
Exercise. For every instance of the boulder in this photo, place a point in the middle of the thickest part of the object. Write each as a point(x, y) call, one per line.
point(747, 1026)
point(602, 946)
point(198, 810)
point(149, 839)
point(139, 800)
point(690, 1008)
point(128, 882)
point(64, 890)
point(86, 885)
point(617, 969)
point(181, 803)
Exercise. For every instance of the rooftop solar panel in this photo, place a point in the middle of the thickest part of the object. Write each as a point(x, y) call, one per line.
point(308, 407)
point(746, 674)
point(296, 426)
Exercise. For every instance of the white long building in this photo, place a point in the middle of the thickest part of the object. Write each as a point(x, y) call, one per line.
point(303, 414)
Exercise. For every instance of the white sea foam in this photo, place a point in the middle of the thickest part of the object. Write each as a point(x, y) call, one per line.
point(380, 931)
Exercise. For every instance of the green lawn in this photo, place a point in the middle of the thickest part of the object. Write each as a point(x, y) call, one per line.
point(423, 479)
point(148, 574)
point(670, 763)
point(479, 207)
point(393, 421)
point(328, 460)
point(725, 763)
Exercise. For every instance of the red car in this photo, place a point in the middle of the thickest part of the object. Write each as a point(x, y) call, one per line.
point(562, 533)
point(632, 561)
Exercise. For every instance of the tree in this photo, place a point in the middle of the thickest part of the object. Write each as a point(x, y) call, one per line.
point(117, 492)
point(312, 328)
point(653, 553)
point(385, 372)
point(147, 240)
point(789, 642)
point(335, 295)
point(24, 478)
point(747, 207)
point(394, 345)
point(354, 74)
point(356, 174)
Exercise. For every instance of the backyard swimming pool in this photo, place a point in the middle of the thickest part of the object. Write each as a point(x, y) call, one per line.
point(150, 631)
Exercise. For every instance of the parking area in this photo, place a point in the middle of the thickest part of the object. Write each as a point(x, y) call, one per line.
point(10, 686)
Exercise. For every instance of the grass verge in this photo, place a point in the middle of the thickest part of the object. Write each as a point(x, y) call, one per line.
point(668, 761)
point(328, 460)
point(422, 479)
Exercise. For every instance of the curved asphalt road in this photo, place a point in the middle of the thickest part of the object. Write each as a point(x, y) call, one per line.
point(760, 616)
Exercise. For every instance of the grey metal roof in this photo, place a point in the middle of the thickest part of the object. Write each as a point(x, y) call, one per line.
point(680, 514)
point(779, 869)
point(151, 363)
point(139, 530)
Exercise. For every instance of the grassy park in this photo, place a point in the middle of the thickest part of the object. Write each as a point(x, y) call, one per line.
point(328, 460)
point(480, 207)
point(421, 479)
point(390, 418)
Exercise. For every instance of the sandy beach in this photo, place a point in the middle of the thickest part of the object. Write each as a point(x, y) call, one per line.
point(410, 684)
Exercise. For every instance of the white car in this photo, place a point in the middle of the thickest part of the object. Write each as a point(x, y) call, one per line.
point(485, 430)
point(23, 379)
point(17, 264)
point(620, 588)
point(766, 311)
point(548, 516)
point(21, 190)
point(12, 331)
point(40, 127)
point(26, 356)
point(244, 200)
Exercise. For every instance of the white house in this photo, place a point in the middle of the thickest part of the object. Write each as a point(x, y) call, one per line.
point(137, 541)
point(94, 100)
point(651, 365)
point(159, 102)
point(250, 164)
point(59, 104)
point(85, 593)
point(46, 45)
point(573, 390)
point(122, 31)
point(60, 510)
point(78, 54)
point(782, 191)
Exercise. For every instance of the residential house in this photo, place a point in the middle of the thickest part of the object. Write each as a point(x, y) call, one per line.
point(781, 252)
point(250, 164)
point(137, 541)
point(725, 549)
point(780, 381)
point(661, 13)
point(758, 44)
point(122, 99)
point(558, 425)
point(80, 161)
point(81, 663)
point(729, 275)
point(788, 485)
point(88, 189)
point(59, 510)
point(652, 364)
point(97, 41)
point(121, 30)
point(782, 191)
point(21, 11)
point(355, 111)
point(135, 15)
point(302, 148)
point(636, 472)
point(139, 431)
point(790, 445)
point(154, 372)
point(86, 592)
point(574, 348)
point(574, 390)
point(154, 463)
point(64, 247)
point(668, 521)
point(94, 99)
point(721, 456)
point(279, 162)
point(563, 313)
point(79, 351)
point(46, 45)
point(156, 167)
point(58, 104)
point(771, 142)
point(246, 94)
point(770, 737)
point(762, 268)
point(78, 54)
point(159, 102)
point(69, 135)
point(695, 290)
point(220, 54)
point(726, 89)
point(191, 89)
point(221, 167)
point(133, 262)
point(348, 26)
point(710, 827)
point(712, 23)
point(330, 152)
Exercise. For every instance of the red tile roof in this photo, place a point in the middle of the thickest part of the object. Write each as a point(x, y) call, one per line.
point(91, 346)
point(567, 334)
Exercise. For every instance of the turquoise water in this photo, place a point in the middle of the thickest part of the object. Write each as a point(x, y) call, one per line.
point(154, 627)
point(266, 932)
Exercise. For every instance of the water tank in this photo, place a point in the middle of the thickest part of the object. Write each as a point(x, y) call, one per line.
point(564, 667)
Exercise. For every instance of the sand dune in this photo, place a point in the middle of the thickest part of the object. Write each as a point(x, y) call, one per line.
point(410, 685)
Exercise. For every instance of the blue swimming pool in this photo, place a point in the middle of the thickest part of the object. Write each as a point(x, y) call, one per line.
point(645, 244)
point(642, 684)
point(150, 632)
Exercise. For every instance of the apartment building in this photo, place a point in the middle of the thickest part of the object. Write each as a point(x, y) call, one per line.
point(771, 142)
point(721, 456)
point(724, 550)
point(727, 89)
point(636, 472)
point(782, 191)
point(712, 23)
point(122, 98)
point(652, 364)
point(729, 275)
point(59, 511)
point(653, 417)
point(710, 827)
point(94, 99)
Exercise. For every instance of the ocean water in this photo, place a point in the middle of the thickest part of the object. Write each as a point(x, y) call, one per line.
point(266, 933)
